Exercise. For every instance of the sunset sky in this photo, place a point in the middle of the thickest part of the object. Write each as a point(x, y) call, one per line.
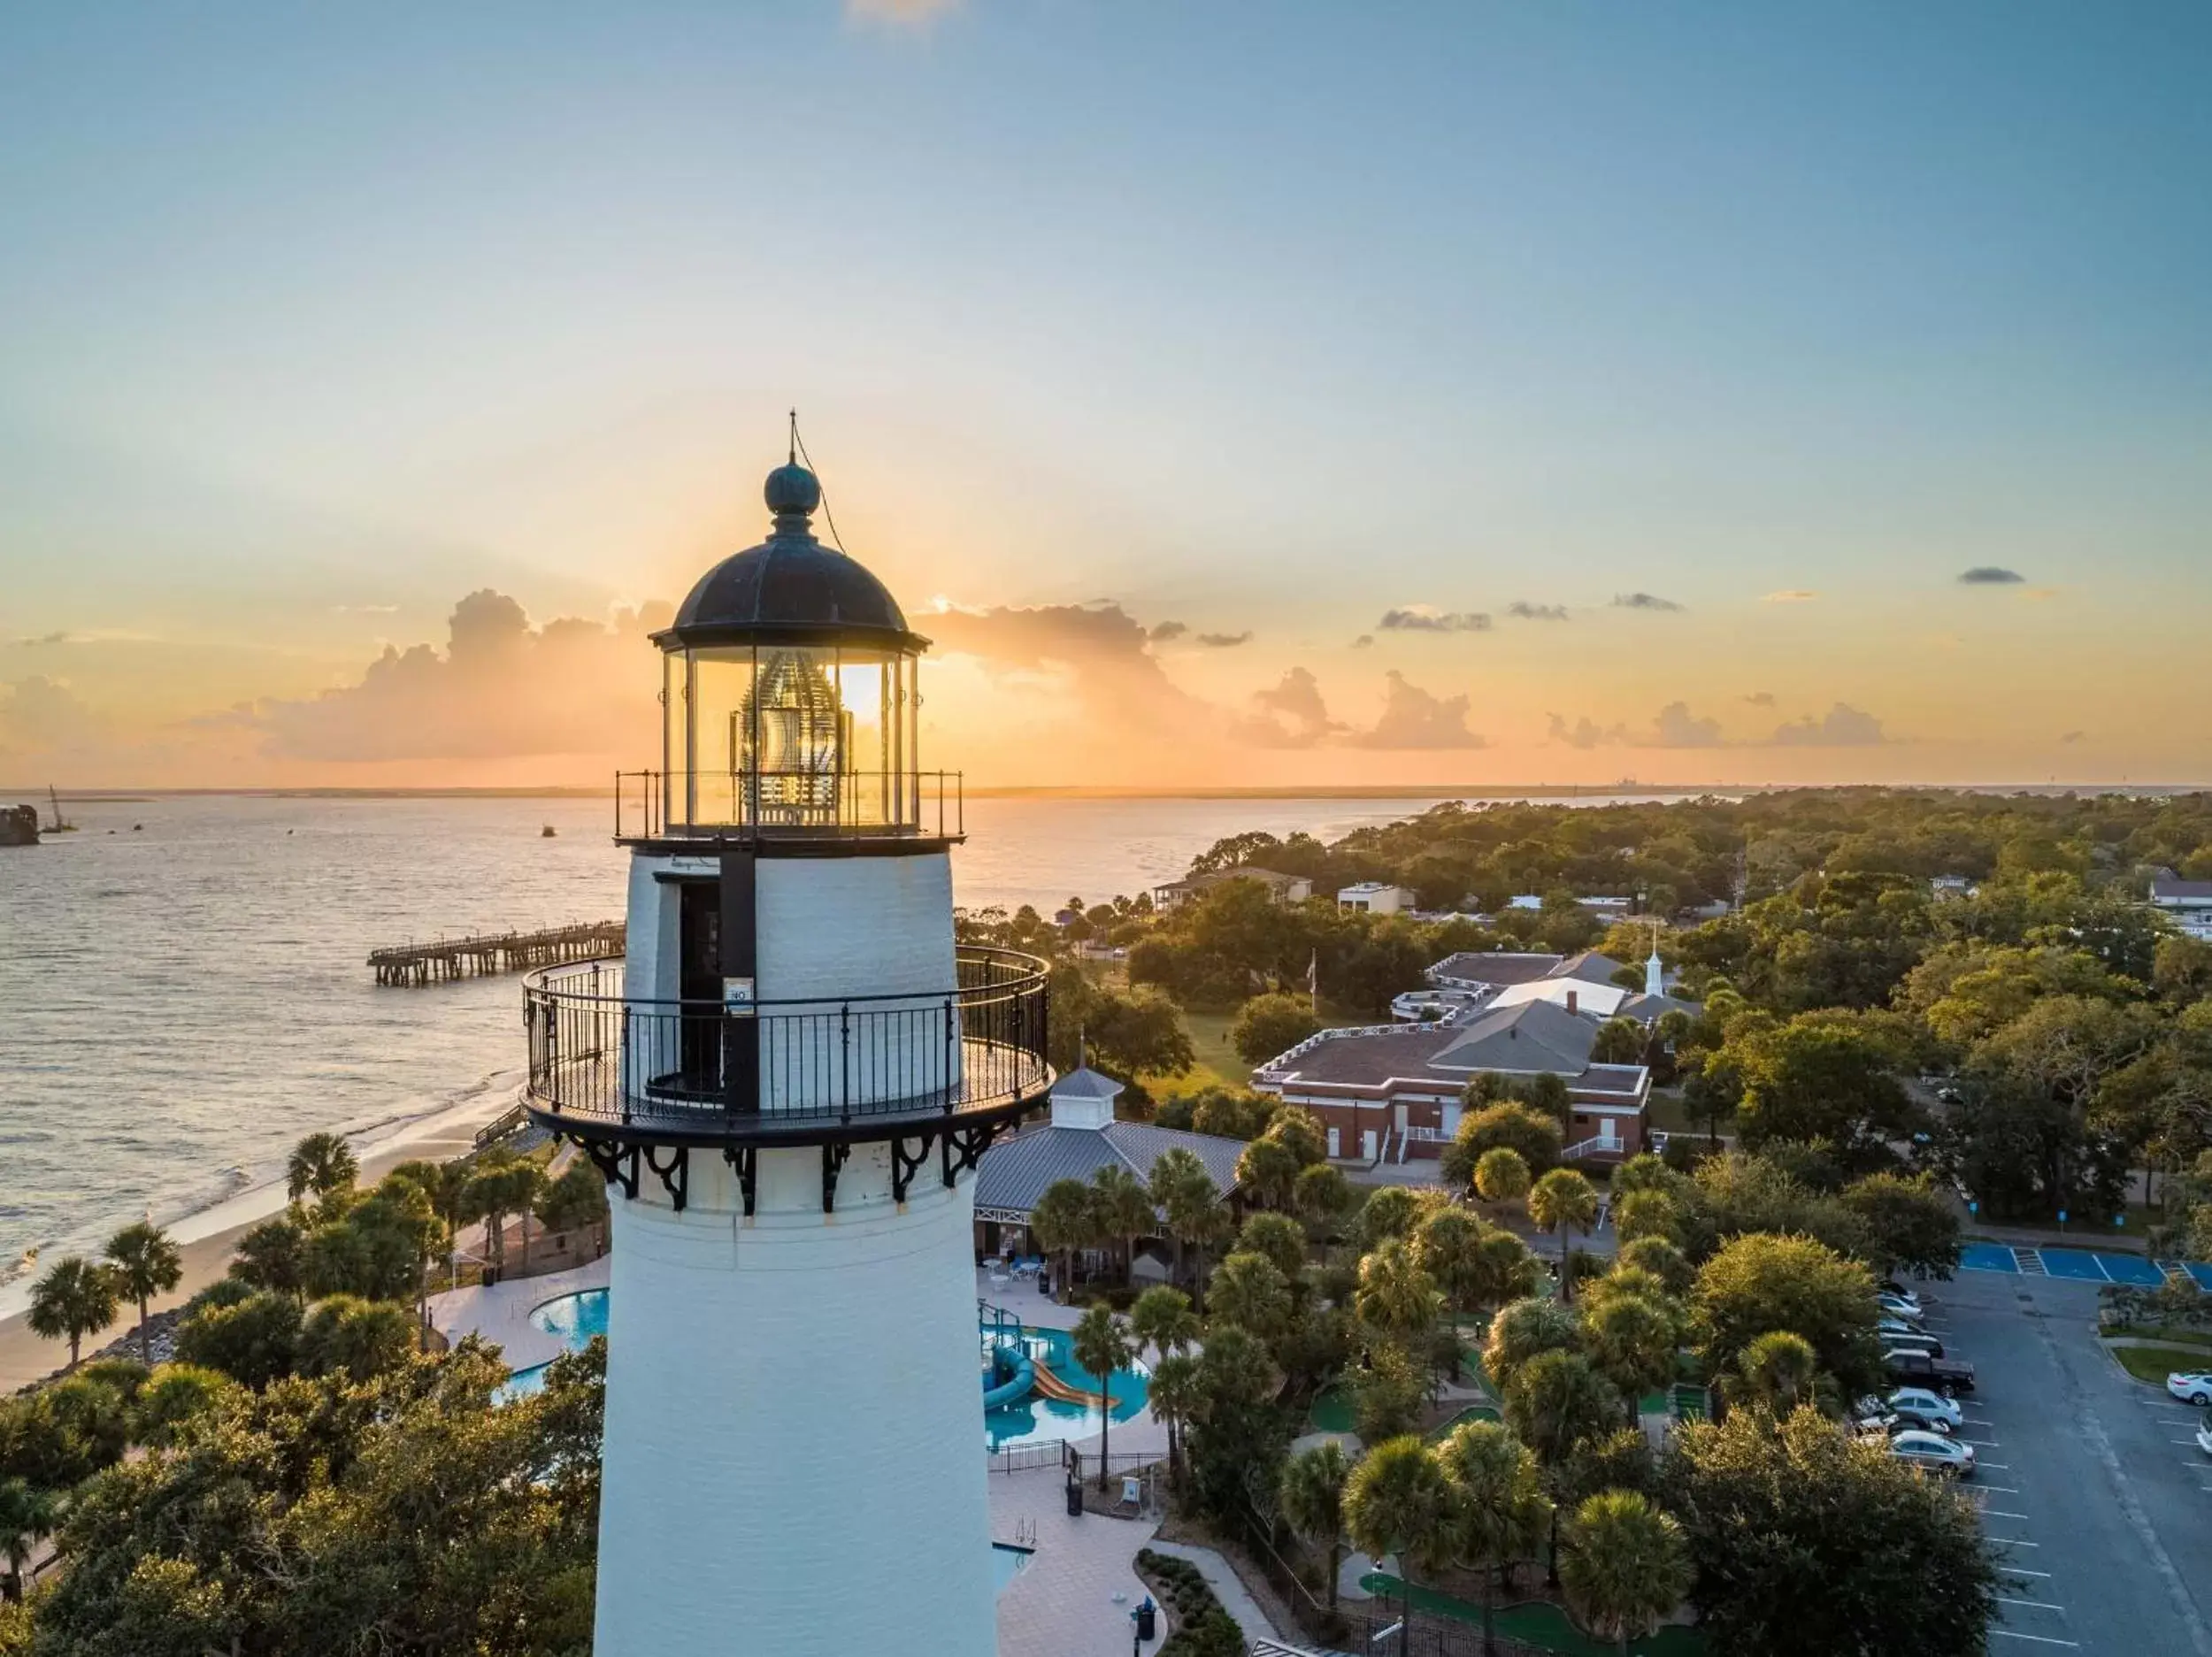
point(1239, 394)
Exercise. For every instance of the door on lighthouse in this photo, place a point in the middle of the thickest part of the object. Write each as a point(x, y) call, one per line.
point(699, 955)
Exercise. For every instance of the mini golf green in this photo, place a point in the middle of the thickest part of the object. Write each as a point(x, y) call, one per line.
point(1534, 1624)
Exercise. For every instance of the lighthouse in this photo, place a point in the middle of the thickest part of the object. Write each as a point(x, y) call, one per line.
point(786, 1082)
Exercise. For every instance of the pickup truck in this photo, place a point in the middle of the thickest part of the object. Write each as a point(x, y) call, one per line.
point(1918, 1368)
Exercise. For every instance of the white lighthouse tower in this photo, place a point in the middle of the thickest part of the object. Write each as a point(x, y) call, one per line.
point(787, 1082)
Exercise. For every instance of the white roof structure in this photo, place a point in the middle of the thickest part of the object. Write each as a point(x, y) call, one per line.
point(1598, 1000)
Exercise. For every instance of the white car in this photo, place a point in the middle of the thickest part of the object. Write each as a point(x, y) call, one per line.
point(1899, 1305)
point(2204, 1439)
point(1924, 1408)
point(1934, 1453)
point(1890, 1323)
point(2191, 1386)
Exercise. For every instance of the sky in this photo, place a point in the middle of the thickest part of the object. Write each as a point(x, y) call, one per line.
point(1276, 395)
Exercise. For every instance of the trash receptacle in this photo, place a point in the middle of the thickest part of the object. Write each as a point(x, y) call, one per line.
point(1148, 1619)
point(1075, 1499)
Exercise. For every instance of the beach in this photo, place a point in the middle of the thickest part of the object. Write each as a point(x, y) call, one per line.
point(208, 1239)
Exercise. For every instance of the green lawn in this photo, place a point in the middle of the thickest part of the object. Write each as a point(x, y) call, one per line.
point(1535, 1623)
point(1219, 1065)
point(2155, 1363)
point(1333, 1412)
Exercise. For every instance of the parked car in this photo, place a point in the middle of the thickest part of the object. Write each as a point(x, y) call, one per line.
point(1897, 1305)
point(1890, 1323)
point(1915, 1368)
point(1921, 1407)
point(2193, 1386)
point(1909, 1340)
point(1934, 1453)
point(1878, 1426)
point(2204, 1439)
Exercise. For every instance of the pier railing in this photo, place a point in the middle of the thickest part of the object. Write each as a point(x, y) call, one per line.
point(792, 1069)
point(444, 959)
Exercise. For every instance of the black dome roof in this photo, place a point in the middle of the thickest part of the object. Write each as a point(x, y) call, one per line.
point(790, 588)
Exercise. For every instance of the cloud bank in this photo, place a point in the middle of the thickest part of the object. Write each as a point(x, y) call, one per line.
point(1427, 619)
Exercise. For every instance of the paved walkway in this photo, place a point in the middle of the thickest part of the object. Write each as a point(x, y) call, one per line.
point(502, 1312)
point(1074, 1598)
point(1228, 1588)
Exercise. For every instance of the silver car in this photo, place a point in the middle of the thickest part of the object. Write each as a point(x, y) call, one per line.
point(1933, 1453)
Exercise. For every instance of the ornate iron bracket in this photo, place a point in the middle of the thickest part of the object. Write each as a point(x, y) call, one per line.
point(617, 1164)
point(832, 1159)
point(964, 1146)
point(903, 1168)
point(744, 1161)
point(675, 1174)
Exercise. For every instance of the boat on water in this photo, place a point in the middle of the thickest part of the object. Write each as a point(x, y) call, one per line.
point(60, 824)
point(18, 825)
point(546, 832)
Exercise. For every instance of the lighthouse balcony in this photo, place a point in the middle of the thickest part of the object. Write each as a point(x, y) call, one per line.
point(609, 1066)
point(749, 806)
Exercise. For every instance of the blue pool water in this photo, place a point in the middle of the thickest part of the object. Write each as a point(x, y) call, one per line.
point(1035, 1419)
point(1006, 1564)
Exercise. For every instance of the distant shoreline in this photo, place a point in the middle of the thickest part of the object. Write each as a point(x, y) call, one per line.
point(1082, 791)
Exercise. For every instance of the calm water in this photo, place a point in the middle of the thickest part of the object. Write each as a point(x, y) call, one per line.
point(180, 1004)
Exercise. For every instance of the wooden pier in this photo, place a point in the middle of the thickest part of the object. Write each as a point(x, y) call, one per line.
point(413, 965)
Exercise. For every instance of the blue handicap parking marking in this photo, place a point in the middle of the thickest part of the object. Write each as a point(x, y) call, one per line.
point(2131, 1269)
point(2072, 1263)
point(2202, 1274)
point(1992, 1257)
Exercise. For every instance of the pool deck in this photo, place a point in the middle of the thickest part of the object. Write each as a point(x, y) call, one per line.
point(502, 1313)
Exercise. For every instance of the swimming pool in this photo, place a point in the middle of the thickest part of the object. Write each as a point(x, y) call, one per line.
point(1031, 1419)
point(1007, 1562)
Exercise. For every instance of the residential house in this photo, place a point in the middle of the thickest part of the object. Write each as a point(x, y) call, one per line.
point(2187, 904)
point(1375, 898)
point(1282, 887)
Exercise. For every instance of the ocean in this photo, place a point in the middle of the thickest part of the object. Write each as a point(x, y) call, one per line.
point(184, 993)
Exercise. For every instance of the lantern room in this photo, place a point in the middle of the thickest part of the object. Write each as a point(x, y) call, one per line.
point(790, 696)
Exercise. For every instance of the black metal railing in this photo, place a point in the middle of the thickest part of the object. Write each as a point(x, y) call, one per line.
point(769, 804)
point(787, 1070)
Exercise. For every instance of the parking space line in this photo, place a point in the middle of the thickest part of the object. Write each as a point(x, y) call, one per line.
point(1998, 1513)
point(2018, 1571)
point(2007, 1541)
point(1995, 1467)
point(2000, 1489)
point(2032, 1604)
point(2041, 1639)
point(1992, 1444)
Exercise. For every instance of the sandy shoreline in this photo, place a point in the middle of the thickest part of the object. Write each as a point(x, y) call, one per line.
point(207, 1238)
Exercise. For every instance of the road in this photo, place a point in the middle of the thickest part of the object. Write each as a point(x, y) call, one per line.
point(2088, 1478)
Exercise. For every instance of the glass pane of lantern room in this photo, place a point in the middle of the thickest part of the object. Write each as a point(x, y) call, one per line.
point(867, 686)
point(721, 710)
point(797, 733)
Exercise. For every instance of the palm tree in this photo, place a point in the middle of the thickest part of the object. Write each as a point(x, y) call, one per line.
point(1267, 1173)
point(1174, 1397)
point(322, 1164)
point(1501, 1176)
point(1778, 1372)
point(1500, 1506)
point(74, 1299)
point(1184, 1192)
point(1396, 1297)
point(1399, 1504)
point(1249, 1292)
point(527, 1186)
point(273, 1255)
point(1100, 1343)
point(1312, 1492)
point(1123, 1211)
point(1321, 1197)
point(144, 1263)
point(1448, 1246)
point(1554, 1403)
point(1281, 1239)
point(1628, 1568)
point(1061, 1223)
point(1632, 1341)
point(1563, 1202)
point(1162, 1320)
point(27, 1516)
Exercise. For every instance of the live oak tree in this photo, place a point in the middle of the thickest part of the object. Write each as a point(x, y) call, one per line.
point(1760, 1283)
point(1805, 1539)
point(1269, 1024)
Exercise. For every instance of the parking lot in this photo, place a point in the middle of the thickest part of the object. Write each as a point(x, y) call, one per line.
point(2091, 1481)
